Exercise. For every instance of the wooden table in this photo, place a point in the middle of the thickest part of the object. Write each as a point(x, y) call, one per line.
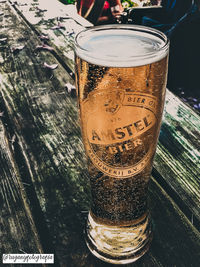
point(44, 185)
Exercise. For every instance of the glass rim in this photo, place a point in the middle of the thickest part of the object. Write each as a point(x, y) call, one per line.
point(83, 52)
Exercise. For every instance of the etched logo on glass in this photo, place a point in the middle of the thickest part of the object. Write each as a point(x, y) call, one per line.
point(119, 131)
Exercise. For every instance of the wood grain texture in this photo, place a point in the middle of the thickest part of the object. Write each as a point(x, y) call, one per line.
point(16, 221)
point(44, 119)
point(178, 154)
point(17, 228)
point(60, 23)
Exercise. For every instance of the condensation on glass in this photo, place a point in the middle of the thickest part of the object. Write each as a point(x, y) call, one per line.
point(121, 73)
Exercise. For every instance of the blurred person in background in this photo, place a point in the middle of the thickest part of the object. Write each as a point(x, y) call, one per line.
point(179, 20)
point(100, 11)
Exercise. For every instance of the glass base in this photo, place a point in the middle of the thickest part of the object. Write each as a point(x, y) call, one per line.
point(119, 244)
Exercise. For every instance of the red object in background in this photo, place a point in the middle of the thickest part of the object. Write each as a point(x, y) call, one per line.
point(106, 5)
point(92, 9)
point(97, 11)
point(88, 3)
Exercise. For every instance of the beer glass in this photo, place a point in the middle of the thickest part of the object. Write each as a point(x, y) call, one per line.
point(121, 73)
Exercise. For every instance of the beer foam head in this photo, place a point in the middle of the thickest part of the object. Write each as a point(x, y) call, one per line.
point(121, 45)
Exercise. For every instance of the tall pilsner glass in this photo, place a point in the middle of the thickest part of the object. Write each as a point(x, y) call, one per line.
point(121, 73)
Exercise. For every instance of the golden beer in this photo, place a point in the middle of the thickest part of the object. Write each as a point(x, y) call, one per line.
point(121, 74)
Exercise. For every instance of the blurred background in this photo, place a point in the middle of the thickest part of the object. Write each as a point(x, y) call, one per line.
point(178, 19)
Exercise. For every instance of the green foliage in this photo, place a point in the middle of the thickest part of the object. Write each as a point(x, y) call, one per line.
point(138, 3)
point(67, 2)
point(128, 3)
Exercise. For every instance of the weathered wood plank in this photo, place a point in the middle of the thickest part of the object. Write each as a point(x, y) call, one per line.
point(60, 23)
point(178, 154)
point(177, 159)
point(44, 120)
point(16, 221)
